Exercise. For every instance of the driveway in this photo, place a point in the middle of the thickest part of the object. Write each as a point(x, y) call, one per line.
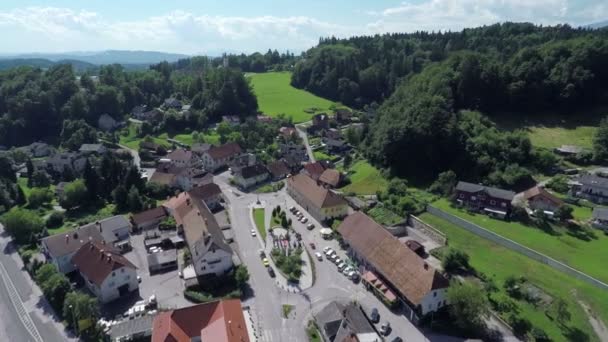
point(302, 133)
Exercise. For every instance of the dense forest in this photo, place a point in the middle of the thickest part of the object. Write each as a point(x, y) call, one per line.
point(37, 104)
point(437, 90)
point(272, 60)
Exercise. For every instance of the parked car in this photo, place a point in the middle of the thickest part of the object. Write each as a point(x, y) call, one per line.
point(292, 209)
point(374, 316)
point(253, 233)
point(312, 245)
point(328, 252)
point(347, 270)
point(270, 272)
point(262, 254)
point(319, 256)
point(310, 226)
point(304, 220)
point(337, 260)
point(138, 279)
point(341, 266)
point(265, 262)
point(385, 329)
point(354, 276)
point(326, 248)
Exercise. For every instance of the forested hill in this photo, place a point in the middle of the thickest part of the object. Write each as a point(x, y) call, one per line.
point(362, 70)
point(437, 89)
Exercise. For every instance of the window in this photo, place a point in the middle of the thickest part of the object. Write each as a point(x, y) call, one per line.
point(113, 274)
point(492, 202)
point(122, 270)
point(473, 198)
point(461, 196)
point(111, 284)
point(434, 294)
point(503, 204)
point(203, 268)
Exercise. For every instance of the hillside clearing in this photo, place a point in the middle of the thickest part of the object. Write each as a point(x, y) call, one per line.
point(365, 179)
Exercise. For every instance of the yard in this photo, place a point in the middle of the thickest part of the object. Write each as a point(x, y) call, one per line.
point(258, 217)
point(365, 179)
point(276, 96)
point(131, 140)
point(384, 216)
point(79, 217)
point(563, 245)
point(499, 263)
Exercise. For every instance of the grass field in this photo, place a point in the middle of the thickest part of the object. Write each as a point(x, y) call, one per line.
point(384, 216)
point(365, 179)
point(550, 130)
point(276, 96)
point(499, 263)
point(132, 140)
point(258, 217)
point(586, 256)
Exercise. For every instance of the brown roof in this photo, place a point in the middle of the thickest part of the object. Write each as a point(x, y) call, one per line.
point(318, 195)
point(96, 261)
point(180, 154)
point(220, 321)
point(149, 215)
point(224, 151)
point(163, 178)
point(206, 191)
point(278, 168)
point(539, 191)
point(331, 177)
point(315, 170)
point(287, 131)
point(69, 242)
point(404, 269)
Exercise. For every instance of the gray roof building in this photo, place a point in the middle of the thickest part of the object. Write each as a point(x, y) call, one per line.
point(494, 192)
point(338, 322)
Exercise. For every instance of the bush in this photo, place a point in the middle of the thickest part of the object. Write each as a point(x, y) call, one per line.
point(521, 326)
point(55, 219)
point(558, 184)
point(39, 196)
point(197, 297)
point(456, 261)
point(23, 225)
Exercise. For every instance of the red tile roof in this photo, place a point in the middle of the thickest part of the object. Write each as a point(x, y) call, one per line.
point(314, 170)
point(330, 177)
point(206, 191)
point(149, 215)
point(96, 261)
point(405, 270)
point(224, 151)
point(317, 195)
point(180, 154)
point(221, 321)
point(539, 191)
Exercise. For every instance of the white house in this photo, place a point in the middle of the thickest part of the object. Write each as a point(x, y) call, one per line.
point(60, 248)
point(318, 201)
point(220, 156)
point(250, 176)
point(211, 255)
point(180, 157)
point(210, 193)
point(106, 273)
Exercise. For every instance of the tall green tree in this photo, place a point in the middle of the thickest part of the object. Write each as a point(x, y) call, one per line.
point(468, 305)
point(23, 225)
point(600, 142)
point(74, 195)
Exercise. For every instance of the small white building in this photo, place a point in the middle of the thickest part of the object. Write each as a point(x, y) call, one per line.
point(220, 156)
point(107, 274)
point(250, 176)
point(318, 201)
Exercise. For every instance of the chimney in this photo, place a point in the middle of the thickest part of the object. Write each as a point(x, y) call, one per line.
point(101, 254)
point(98, 225)
point(426, 266)
point(67, 238)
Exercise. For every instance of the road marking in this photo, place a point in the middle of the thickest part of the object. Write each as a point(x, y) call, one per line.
point(18, 305)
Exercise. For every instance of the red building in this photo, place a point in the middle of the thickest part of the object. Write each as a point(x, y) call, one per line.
point(492, 201)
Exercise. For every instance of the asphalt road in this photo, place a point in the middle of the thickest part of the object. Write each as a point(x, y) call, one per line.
point(267, 298)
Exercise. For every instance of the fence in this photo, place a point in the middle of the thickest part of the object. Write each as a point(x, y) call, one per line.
point(512, 245)
point(427, 230)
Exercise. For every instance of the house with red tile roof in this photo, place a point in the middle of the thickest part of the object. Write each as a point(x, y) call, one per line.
point(393, 270)
point(319, 202)
point(220, 321)
point(106, 273)
point(180, 157)
point(220, 156)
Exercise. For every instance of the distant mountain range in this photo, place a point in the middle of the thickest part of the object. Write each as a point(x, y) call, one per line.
point(598, 25)
point(89, 60)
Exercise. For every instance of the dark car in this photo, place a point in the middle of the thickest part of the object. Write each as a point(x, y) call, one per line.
point(312, 245)
point(270, 272)
point(374, 316)
point(397, 339)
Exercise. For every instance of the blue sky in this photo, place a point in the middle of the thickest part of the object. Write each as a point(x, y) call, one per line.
point(203, 26)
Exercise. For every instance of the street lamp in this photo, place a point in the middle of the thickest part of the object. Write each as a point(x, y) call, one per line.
point(74, 319)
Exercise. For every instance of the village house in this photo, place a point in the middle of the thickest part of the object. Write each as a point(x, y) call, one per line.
point(219, 321)
point(211, 255)
point(278, 170)
point(107, 123)
point(316, 169)
point(138, 110)
point(200, 148)
point(343, 115)
point(293, 163)
point(599, 218)
point(287, 132)
point(180, 157)
point(398, 276)
point(591, 187)
point(319, 122)
point(330, 178)
point(220, 156)
point(60, 248)
point(336, 146)
point(148, 219)
point(210, 193)
point(538, 198)
point(319, 202)
point(88, 149)
point(37, 150)
point(184, 178)
point(492, 201)
point(296, 151)
point(60, 162)
point(250, 176)
point(172, 103)
point(106, 273)
point(340, 322)
point(241, 161)
point(264, 118)
point(569, 150)
point(152, 116)
point(232, 120)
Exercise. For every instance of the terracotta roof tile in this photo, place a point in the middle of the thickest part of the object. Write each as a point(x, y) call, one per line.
point(539, 191)
point(224, 151)
point(96, 261)
point(318, 195)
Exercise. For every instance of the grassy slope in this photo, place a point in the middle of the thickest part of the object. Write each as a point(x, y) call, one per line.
point(365, 179)
point(258, 217)
point(275, 96)
point(499, 263)
point(550, 130)
point(586, 256)
point(132, 141)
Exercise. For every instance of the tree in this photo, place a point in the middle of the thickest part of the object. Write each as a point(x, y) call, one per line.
point(562, 315)
point(120, 196)
point(241, 275)
point(23, 225)
point(521, 326)
point(91, 180)
point(39, 196)
point(456, 261)
point(446, 181)
point(348, 160)
point(564, 213)
point(600, 142)
point(134, 179)
point(45, 272)
point(55, 219)
point(468, 305)
point(55, 289)
point(74, 194)
point(40, 179)
point(558, 184)
point(78, 307)
point(30, 171)
point(134, 200)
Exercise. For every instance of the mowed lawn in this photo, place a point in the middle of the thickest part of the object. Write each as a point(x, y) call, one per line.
point(586, 256)
point(259, 219)
point(365, 179)
point(276, 96)
point(499, 263)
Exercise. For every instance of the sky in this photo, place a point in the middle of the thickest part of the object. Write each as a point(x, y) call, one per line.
point(211, 27)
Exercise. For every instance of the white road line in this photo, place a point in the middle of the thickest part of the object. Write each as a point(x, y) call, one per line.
point(18, 304)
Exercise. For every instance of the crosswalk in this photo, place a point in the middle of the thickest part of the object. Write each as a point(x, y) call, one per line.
point(18, 304)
